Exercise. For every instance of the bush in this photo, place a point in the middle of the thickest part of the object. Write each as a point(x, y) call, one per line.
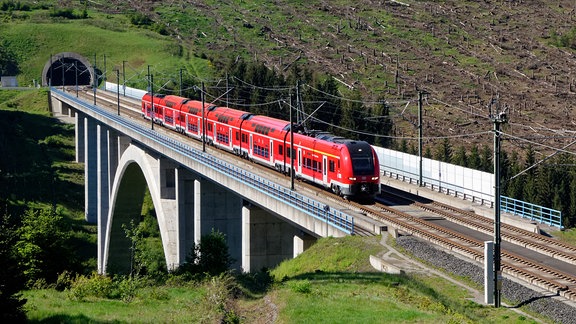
point(64, 281)
point(124, 288)
point(303, 287)
point(219, 290)
point(44, 246)
point(54, 141)
point(209, 256)
point(11, 282)
point(140, 19)
point(11, 5)
point(93, 286)
point(68, 13)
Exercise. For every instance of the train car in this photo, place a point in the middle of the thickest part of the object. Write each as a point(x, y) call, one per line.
point(224, 126)
point(347, 167)
point(159, 105)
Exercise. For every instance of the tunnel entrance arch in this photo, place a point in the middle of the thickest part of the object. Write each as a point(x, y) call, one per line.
point(67, 68)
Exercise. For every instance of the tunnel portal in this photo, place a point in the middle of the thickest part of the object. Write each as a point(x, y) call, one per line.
point(68, 69)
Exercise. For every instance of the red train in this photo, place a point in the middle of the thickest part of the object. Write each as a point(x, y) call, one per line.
point(347, 167)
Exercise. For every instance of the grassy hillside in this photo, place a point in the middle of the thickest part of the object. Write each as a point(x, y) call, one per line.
point(36, 37)
point(463, 54)
point(332, 282)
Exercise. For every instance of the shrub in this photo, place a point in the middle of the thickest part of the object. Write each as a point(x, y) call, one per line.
point(11, 283)
point(43, 246)
point(54, 141)
point(93, 286)
point(209, 256)
point(140, 19)
point(301, 286)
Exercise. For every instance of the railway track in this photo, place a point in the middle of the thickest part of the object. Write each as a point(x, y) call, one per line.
point(513, 265)
point(529, 240)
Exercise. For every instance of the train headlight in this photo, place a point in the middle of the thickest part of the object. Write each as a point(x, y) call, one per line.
point(352, 178)
point(375, 178)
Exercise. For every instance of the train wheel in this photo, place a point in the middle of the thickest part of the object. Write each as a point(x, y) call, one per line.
point(336, 190)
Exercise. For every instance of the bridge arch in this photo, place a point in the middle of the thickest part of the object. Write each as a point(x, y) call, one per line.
point(136, 171)
point(67, 67)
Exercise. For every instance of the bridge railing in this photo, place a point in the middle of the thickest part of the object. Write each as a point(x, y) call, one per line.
point(530, 211)
point(457, 181)
point(336, 218)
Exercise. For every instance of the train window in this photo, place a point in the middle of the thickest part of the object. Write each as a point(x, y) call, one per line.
point(237, 136)
point(331, 166)
point(262, 151)
point(209, 127)
point(280, 149)
point(223, 138)
point(244, 138)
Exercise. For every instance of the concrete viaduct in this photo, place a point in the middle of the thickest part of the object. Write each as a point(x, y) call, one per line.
point(193, 193)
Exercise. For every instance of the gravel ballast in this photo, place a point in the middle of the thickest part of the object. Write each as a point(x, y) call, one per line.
point(513, 292)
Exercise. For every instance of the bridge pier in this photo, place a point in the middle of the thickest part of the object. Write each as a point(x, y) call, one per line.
point(302, 241)
point(91, 149)
point(219, 209)
point(103, 183)
point(79, 130)
point(185, 183)
point(266, 239)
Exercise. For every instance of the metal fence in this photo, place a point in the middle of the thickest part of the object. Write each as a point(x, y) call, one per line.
point(530, 211)
point(457, 181)
point(336, 218)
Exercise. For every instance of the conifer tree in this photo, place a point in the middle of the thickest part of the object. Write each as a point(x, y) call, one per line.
point(443, 151)
point(459, 157)
point(486, 162)
point(474, 158)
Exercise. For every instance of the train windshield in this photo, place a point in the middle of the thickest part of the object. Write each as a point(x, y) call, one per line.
point(362, 165)
point(361, 157)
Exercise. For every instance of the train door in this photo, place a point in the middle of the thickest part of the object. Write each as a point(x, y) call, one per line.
point(230, 140)
point(324, 173)
point(250, 150)
point(299, 170)
point(271, 152)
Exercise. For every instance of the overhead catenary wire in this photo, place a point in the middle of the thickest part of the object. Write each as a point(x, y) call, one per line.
point(542, 161)
point(164, 78)
point(536, 143)
point(252, 86)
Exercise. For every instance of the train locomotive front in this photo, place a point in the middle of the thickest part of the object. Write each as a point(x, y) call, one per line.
point(360, 170)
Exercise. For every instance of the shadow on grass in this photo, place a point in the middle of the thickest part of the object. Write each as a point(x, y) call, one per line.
point(63, 318)
point(350, 277)
point(34, 153)
point(255, 285)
